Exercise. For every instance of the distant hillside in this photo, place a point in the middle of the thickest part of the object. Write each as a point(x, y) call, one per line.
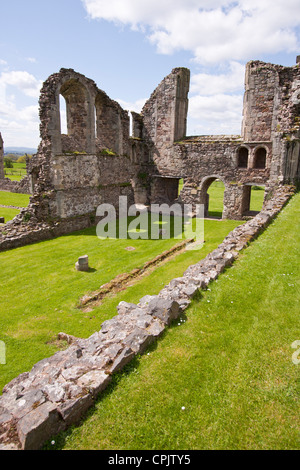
point(19, 150)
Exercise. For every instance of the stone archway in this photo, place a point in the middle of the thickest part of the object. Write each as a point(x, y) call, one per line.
point(204, 196)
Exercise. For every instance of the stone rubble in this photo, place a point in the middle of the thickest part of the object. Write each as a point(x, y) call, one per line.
point(58, 390)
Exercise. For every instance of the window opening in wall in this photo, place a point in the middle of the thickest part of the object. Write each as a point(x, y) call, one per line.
point(95, 121)
point(180, 186)
point(130, 124)
point(63, 115)
point(260, 158)
point(243, 157)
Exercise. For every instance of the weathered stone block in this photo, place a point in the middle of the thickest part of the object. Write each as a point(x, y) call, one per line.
point(166, 310)
point(95, 381)
point(73, 410)
point(139, 340)
point(83, 263)
point(38, 426)
point(126, 356)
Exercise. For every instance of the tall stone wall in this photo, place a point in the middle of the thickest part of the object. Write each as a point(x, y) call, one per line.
point(272, 113)
point(165, 114)
point(1, 158)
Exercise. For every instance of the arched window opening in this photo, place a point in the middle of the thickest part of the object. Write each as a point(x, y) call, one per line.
point(63, 115)
point(243, 154)
point(95, 121)
point(77, 104)
point(260, 158)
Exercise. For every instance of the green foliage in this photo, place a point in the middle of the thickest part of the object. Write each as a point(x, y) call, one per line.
point(23, 158)
point(8, 163)
point(108, 152)
point(26, 217)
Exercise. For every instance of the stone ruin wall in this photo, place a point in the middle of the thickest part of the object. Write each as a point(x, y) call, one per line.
point(266, 153)
point(98, 161)
point(1, 158)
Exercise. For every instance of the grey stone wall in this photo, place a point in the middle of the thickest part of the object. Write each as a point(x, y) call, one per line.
point(1, 158)
point(98, 160)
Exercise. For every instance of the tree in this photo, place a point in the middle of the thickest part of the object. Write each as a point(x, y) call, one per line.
point(22, 159)
point(8, 163)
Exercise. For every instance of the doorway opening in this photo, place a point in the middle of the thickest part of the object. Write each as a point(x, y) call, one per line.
point(253, 199)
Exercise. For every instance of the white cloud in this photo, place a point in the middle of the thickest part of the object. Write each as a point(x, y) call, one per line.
point(213, 30)
point(132, 106)
point(19, 125)
point(211, 84)
point(222, 33)
point(23, 81)
point(219, 114)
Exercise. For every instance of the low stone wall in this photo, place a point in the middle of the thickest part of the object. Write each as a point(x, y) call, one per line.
point(19, 232)
point(55, 394)
point(21, 186)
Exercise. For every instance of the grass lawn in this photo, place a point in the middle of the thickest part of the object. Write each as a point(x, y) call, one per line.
point(229, 364)
point(8, 213)
point(17, 172)
point(40, 288)
point(12, 199)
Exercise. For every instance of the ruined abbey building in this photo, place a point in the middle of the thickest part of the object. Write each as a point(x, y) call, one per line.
point(98, 161)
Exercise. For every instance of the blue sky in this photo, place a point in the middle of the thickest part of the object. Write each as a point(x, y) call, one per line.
point(128, 46)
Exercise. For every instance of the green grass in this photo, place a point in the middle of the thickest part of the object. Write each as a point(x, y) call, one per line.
point(17, 172)
point(216, 195)
point(229, 364)
point(40, 288)
point(14, 199)
point(257, 198)
point(8, 213)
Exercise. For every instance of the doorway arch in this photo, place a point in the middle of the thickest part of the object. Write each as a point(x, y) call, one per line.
point(212, 190)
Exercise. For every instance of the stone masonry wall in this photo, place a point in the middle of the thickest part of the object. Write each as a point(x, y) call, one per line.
point(98, 161)
point(1, 158)
point(58, 390)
